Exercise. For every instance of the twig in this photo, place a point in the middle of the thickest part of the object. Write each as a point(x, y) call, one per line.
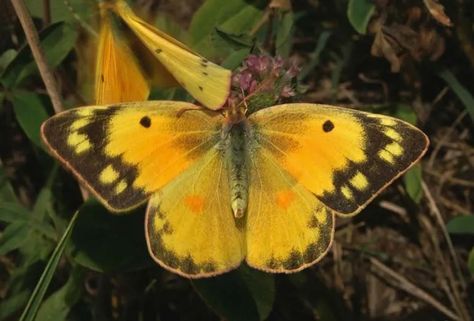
point(450, 179)
point(444, 271)
point(453, 206)
point(38, 54)
point(33, 40)
point(392, 207)
point(434, 208)
point(46, 12)
point(412, 289)
point(445, 138)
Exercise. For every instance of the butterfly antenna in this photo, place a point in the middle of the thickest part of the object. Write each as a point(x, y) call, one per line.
point(244, 100)
point(185, 109)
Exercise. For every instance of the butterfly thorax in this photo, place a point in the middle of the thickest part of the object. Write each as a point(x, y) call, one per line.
point(236, 155)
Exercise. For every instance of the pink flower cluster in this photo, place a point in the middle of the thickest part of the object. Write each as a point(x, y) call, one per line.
point(263, 75)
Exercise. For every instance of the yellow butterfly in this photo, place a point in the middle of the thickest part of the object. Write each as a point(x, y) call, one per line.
point(224, 187)
point(118, 77)
point(207, 82)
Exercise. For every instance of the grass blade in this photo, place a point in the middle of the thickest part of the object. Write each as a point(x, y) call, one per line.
point(36, 297)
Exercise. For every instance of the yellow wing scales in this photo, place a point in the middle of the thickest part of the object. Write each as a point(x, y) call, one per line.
point(204, 80)
point(190, 227)
point(345, 157)
point(116, 81)
point(288, 228)
point(125, 152)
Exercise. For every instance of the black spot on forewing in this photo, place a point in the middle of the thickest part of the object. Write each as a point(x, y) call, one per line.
point(377, 171)
point(158, 50)
point(328, 126)
point(145, 121)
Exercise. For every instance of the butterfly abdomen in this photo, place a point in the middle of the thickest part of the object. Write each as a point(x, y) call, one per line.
point(238, 169)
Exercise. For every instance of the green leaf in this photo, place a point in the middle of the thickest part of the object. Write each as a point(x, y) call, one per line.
point(412, 180)
point(209, 15)
point(6, 58)
point(406, 113)
point(58, 304)
point(461, 225)
point(16, 213)
point(108, 242)
point(241, 22)
point(30, 112)
point(235, 59)
point(244, 294)
point(233, 19)
point(13, 303)
point(6, 190)
point(13, 212)
point(31, 309)
point(314, 56)
point(234, 41)
point(13, 237)
point(57, 40)
point(470, 261)
point(463, 94)
point(359, 13)
point(262, 288)
point(283, 41)
point(60, 11)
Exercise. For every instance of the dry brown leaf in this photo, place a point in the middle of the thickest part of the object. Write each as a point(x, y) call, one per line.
point(381, 47)
point(437, 11)
point(431, 44)
point(393, 42)
point(403, 38)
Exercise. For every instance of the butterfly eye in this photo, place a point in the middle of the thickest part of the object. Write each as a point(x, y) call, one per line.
point(328, 126)
point(145, 121)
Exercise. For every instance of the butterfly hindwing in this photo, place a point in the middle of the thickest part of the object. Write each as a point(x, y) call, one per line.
point(190, 227)
point(345, 157)
point(288, 228)
point(125, 152)
point(204, 80)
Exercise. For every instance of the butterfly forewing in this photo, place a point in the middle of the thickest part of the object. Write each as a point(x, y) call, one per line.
point(119, 77)
point(204, 80)
point(123, 153)
point(345, 157)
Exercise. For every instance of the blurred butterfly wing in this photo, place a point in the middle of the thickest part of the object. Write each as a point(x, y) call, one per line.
point(288, 228)
point(190, 227)
point(118, 77)
point(204, 80)
point(125, 152)
point(345, 157)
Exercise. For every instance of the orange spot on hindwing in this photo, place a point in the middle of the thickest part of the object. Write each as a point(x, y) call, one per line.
point(195, 203)
point(284, 199)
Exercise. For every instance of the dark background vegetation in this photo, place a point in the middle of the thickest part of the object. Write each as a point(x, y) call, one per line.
point(408, 256)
